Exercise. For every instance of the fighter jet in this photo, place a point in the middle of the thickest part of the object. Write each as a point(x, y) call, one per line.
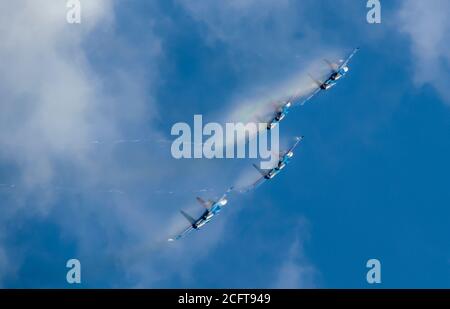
point(337, 72)
point(280, 113)
point(281, 110)
point(213, 208)
point(285, 157)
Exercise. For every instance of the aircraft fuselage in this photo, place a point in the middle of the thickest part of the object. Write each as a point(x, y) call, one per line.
point(207, 216)
point(281, 164)
point(331, 81)
point(281, 113)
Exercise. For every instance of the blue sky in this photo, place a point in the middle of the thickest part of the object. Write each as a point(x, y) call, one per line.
point(369, 181)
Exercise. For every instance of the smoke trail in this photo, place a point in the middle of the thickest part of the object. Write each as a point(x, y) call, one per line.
point(78, 190)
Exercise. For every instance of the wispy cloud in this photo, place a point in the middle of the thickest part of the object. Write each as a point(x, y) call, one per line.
point(49, 92)
point(55, 102)
point(427, 26)
point(296, 271)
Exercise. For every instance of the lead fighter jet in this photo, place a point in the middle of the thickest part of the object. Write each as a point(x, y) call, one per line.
point(337, 71)
point(213, 208)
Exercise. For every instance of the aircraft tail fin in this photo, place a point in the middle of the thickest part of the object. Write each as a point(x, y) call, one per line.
point(203, 202)
point(262, 172)
point(332, 65)
point(260, 119)
point(226, 193)
point(188, 217)
point(318, 82)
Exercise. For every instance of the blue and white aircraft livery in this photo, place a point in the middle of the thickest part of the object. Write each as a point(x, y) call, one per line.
point(213, 208)
point(285, 157)
point(280, 113)
point(281, 109)
point(337, 71)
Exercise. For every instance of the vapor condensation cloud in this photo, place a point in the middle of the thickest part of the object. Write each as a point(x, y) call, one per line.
point(56, 102)
point(53, 103)
point(296, 271)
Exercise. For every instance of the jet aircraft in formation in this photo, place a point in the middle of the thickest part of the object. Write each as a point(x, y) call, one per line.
point(338, 70)
point(285, 158)
point(213, 208)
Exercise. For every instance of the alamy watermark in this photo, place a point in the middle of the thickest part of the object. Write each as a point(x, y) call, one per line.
point(374, 13)
point(235, 140)
point(374, 273)
point(73, 15)
point(74, 273)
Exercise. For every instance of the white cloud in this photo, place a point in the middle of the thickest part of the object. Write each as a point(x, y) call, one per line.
point(54, 103)
point(296, 271)
point(258, 34)
point(48, 91)
point(427, 26)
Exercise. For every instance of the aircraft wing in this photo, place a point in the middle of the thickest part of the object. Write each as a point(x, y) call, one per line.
point(206, 204)
point(277, 104)
point(261, 171)
point(226, 193)
point(316, 91)
point(182, 234)
point(253, 185)
point(297, 140)
point(346, 61)
point(294, 98)
point(332, 65)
